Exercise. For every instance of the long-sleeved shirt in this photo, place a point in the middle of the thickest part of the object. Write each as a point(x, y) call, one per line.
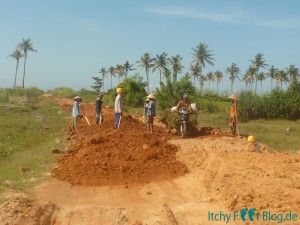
point(76, 109)
point(151, 108)
point(119, 104)
point(98, 106)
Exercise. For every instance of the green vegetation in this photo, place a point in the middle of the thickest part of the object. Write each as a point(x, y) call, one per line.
point(28, 132)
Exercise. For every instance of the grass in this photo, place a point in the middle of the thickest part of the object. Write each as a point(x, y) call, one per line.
point(27, 134)
point(270, 132)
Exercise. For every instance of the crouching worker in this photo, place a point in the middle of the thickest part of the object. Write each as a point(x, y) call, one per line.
point(99, 115)
point(151, 112)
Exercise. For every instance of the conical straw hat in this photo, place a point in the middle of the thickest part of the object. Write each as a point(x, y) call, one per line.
point(233, 96)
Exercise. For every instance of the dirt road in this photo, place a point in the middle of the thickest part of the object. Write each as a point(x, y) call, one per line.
point(128, 176)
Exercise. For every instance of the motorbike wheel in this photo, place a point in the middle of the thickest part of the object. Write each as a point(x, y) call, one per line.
point(183, 130)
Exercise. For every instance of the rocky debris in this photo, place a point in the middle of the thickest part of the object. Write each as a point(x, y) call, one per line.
point(20, 209)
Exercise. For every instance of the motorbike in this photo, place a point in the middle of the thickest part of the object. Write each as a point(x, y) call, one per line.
point(183, 124)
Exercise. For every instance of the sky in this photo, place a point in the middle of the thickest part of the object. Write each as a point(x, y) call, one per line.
point(74, 39)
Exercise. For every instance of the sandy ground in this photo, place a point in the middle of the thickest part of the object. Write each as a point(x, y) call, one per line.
point(135, 182)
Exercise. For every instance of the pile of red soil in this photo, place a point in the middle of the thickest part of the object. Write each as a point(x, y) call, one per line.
point(101, 155)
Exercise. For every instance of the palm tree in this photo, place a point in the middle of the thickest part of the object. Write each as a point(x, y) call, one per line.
point(187, 75)
point(201, 56)
point(258, 63)
point(218, 75)
point(293, 72)
point(281, 76)
point(195, 71)
point(120, 70)
point(16, 55)
point(249, 76)
point(111, 71)
point(25, 46)
point(176, 65)
point(233, 72)
point(261, 76)
point(201, 79)
point(146, 62)
point(272, 74)
point(160, 64)
point(103, 71)
point(127, 67)
point(210, 78)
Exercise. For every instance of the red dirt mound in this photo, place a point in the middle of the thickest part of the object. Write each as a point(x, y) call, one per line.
point(101, 155)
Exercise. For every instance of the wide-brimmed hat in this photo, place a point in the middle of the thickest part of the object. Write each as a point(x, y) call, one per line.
point(233, 96)
point(151, 96)
point(77, 98)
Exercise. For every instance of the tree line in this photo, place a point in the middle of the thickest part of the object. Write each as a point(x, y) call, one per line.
point(171, 67)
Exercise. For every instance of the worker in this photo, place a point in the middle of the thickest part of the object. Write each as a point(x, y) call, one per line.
point(232, 114)
point(118, 107)
point(145, 110)
point(76, 112)
point(151, 112)
point(99, 115)
point(184, 103)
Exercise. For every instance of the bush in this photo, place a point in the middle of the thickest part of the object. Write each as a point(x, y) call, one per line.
point(170, 93)
point(172, 119)
point(134, 93)
point(63, 92)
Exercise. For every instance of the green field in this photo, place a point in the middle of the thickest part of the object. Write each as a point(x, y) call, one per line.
point(26, 136)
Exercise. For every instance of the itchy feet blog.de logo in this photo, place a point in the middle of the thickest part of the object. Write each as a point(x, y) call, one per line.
point(251, 215)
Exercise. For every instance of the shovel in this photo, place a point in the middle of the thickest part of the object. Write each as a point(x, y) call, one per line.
point(86, 117)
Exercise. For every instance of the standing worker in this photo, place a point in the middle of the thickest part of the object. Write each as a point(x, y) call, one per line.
point(118, 107)
point(99, 116)
point(76, 112)
point(151, 112)
point(145, 111)
point(233, 114)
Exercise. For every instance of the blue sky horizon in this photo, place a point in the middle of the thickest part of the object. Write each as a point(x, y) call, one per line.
point(75, 39)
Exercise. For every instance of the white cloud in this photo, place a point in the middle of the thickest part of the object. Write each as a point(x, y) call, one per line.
point(235, 17)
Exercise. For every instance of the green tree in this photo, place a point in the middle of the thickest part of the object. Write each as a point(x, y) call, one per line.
point(146, 63)
point(176, 65)
point(293, 73)
point(170, 93)
point(112, 74)
point(103, 71)
point(202, 55)
point(97, 84)
point(160, 63)
point(127, 67)
point(281, 77)
point(258, 63)
point(195, 71)
point(134, 91)
point(25, 46)
point(120, 71)
point(233, 72)
point(248, 77)
point(210, 77)
point(16, 55)
point(261, 77)
point(272, 74)
point(218, 75)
